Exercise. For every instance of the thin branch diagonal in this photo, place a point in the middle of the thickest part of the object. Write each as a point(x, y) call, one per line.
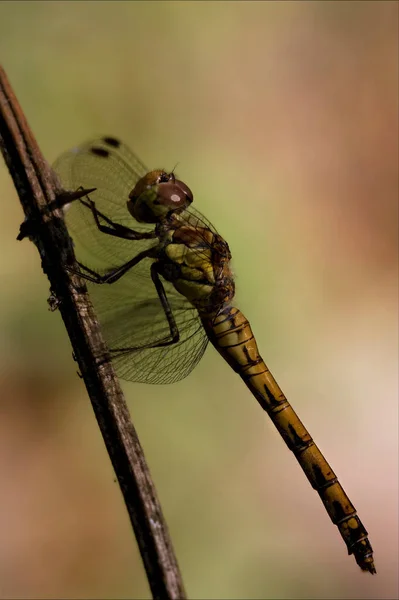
point(38, 187)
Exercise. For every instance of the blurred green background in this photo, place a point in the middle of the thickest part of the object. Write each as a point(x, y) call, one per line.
point(283, 119)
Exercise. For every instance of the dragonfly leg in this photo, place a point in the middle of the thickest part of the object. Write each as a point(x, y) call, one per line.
point(113, 275)
point(29, 227)
point(116, 229)
point(174, 332)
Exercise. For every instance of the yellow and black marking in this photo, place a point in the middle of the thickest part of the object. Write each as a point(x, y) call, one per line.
point(231, 334)
point(196, 261)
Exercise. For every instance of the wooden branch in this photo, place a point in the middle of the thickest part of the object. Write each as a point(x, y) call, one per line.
point(38, 189)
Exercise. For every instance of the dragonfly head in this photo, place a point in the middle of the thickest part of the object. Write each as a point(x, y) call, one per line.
point(156, 195)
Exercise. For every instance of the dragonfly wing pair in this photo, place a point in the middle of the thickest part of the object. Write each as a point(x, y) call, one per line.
point(132, 317)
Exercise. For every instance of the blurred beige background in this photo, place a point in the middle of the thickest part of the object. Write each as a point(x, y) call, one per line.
point(283, 119)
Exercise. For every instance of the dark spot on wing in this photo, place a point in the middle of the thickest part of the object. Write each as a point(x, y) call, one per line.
point(100, 152)
point(111, 141)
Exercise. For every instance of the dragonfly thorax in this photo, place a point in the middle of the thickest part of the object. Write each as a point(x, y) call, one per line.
point(157, 195)
point(197, 262)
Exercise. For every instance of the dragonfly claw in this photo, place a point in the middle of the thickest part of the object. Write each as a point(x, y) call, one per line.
point(29, 226)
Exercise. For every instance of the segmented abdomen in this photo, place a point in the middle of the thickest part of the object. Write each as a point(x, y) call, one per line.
point(231, 334)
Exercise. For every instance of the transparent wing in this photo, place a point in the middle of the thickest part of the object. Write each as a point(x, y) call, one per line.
point(130, 312)
point(108, 165)
point(132, 317)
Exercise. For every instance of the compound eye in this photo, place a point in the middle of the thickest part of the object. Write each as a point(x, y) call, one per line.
point(185, 189)
point(171, 195)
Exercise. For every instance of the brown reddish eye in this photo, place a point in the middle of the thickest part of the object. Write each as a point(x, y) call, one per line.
point(170, 194)
point(185, 189)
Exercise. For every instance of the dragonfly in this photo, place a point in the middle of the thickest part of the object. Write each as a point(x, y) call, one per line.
point(160, 279)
